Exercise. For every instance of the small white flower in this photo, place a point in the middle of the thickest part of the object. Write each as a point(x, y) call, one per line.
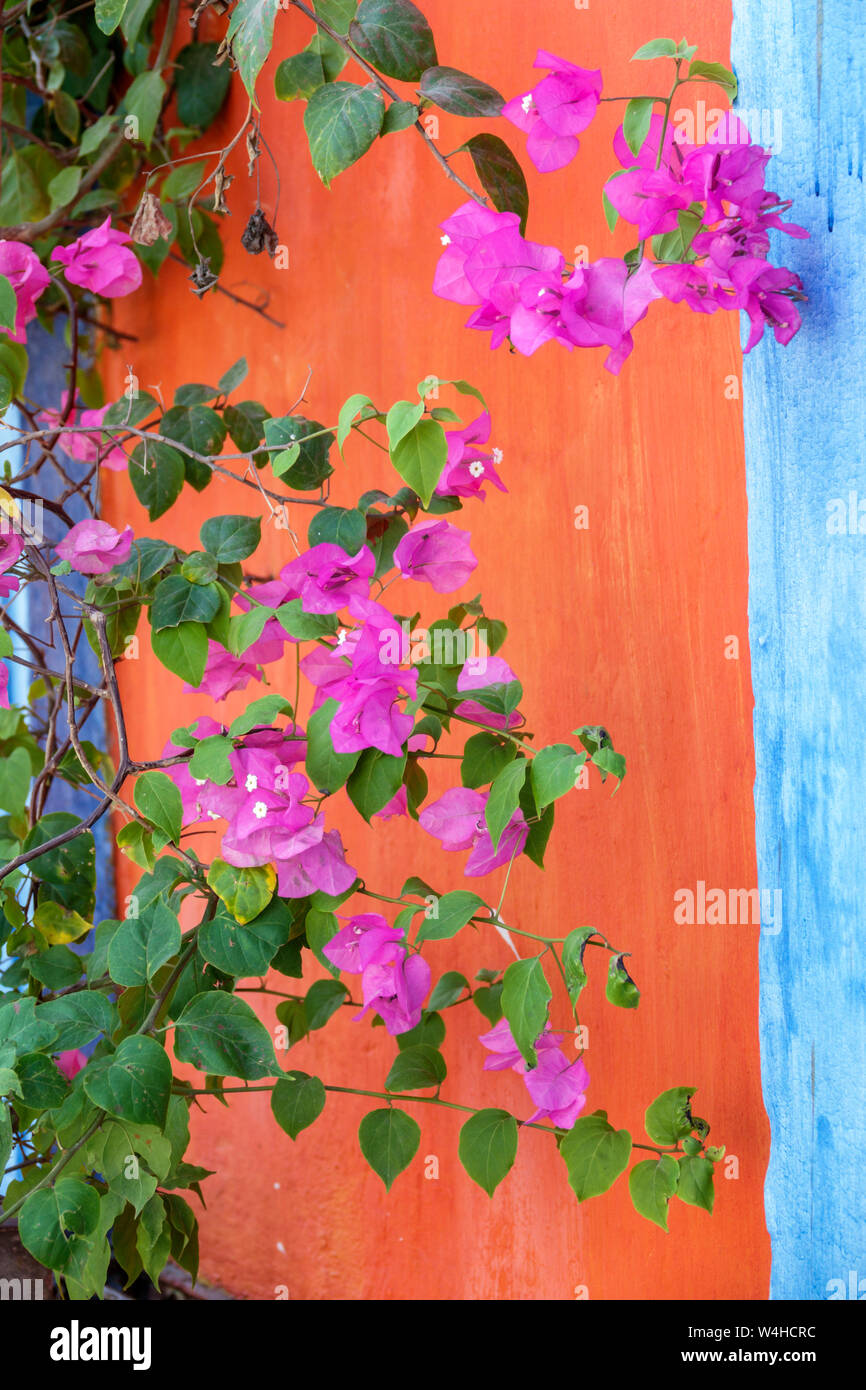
point(526, 103)
point(476, 468)
point(341, 636)
point(541, 292)
point(213, 815)
point(252, 782)
point(260, 810)
point(199, 781)
point(497, 455)
point(446, 240)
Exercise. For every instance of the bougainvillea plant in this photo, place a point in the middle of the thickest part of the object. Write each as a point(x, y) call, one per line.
point(94, 1120)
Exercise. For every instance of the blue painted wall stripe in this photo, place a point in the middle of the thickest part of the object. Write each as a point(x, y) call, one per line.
point(805, 429)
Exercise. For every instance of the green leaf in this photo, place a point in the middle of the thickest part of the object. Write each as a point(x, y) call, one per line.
point(488, 1147)
point(178, 601)
point(22, 1028)
point(572, 960)
point(231, 538)
point(157, 476)
point(53, 1220)
point(327, 770)
point(357, 405)
point(595, 1154)
point(389, 1140)
point(695, 1186)
point(420, 457)
point(134, 1082)
point(484, 757)
point(448, 990)
point(159, 801)
point(251, 32)
point(13, 366)
point(453, 911)
point(611, 216)
point(244, 950)
point(656, 48)
point(400, 115)
point(341, 120)
point(9, 305)
point(636, 122)
point(56, 968)
point(144, 99)
point(109, 13)
point(504, 798)
point(401, 418)
point(322, 1001)
point(297, 1101)
point(245, 892)
point(70, 869)
point(304, 627)
point(210, 760)
point(198, 427)
point(621, 988)
point(259, 713)
point(220, 1034)
point(298, 76)
point(375, 780)
point(78, 1018)
point(15, 774)
point(340, 526)
point(669, 1118)
point(246, 424)
point(141, 945)
point(201, 88)
point(651, 1185)
point(554, 772)
point(41, 1084)
point(303, 463)
point(337, 13)
point(416, 1068)
point(394, 37)
point(460, 94)
point(525, 998)
point(182, 650)
point(715, 72)
point(501, 175)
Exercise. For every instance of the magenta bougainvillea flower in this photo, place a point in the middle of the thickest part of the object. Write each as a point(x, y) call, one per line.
point(11, 545)
point(265, 805)
point(324, 578)
point(468, 469)
point(457, 821)
point(477, 674)
point(557, 1086)
point(94, 547)
point(86, 447)
point(438, 553)
point(393, 982)
point(71, 1063)
point(4, 685)
point(555, 111)
point(101, 261)
point(28, 278)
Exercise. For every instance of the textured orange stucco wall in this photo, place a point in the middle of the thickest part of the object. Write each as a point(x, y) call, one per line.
point(624, 623)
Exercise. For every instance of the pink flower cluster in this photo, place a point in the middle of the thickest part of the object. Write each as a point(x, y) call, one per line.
point(101, 261)
point(394, 983)
point(265, 806)
point(355, 672)
point(523, 291)
point(556, 1085)
point(28, 278)
point(94, 547)
point(457, 821)
point(85, 442)
point(11, 549)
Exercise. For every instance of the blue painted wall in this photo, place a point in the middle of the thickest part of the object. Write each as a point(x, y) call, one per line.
point(805, 428)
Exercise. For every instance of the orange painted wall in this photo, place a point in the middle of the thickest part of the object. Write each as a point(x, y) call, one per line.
point(624, 623)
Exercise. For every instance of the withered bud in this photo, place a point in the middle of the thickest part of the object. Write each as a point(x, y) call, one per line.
point(150, 222)
point(259, 235)
point(203, 278)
